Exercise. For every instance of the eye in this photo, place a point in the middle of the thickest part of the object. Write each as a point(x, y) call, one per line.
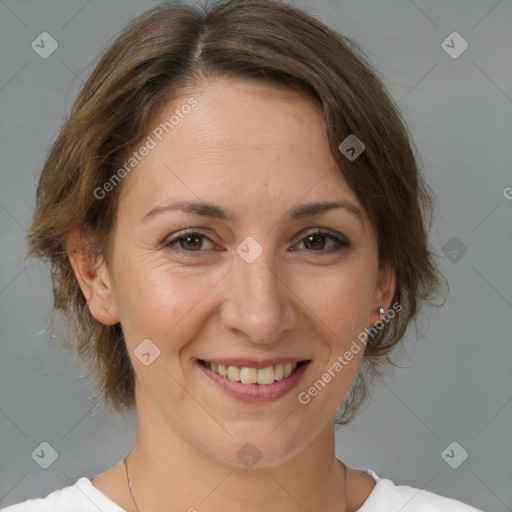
point(316, 241)
point(190, 241)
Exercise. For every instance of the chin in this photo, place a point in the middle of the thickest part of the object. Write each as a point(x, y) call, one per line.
point(261, 444)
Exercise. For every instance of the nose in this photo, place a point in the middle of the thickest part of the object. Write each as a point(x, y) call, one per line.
point(259, 304)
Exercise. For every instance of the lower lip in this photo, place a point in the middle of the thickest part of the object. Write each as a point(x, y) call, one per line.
point(256, 393)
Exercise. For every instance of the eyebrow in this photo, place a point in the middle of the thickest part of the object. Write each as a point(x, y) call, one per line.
point(216, 212)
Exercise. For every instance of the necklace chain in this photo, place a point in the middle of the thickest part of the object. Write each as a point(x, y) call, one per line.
point(138, 510)
point(130, 484)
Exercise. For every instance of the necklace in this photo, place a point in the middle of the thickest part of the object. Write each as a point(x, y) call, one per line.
point(135, 503)
point(130, 484)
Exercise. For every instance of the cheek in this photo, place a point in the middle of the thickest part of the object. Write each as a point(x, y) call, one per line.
point(340, 307)
point(159, 301)
point(342, 300)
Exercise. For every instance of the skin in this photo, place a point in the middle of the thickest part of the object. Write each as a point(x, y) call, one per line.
point(258, 150)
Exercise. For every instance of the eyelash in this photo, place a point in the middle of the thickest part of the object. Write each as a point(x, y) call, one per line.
point(342, 244)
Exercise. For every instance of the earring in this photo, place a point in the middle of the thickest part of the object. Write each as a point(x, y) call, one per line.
point(382, 312)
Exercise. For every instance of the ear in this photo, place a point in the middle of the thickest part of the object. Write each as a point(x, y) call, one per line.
point(93, 277)
point(384, 291)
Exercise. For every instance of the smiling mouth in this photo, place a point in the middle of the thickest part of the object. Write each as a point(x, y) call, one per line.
point(261, 376)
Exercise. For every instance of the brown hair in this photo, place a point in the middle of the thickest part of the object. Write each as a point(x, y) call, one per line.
point(174, 46)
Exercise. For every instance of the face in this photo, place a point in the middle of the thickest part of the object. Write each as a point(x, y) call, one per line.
point(249, 279)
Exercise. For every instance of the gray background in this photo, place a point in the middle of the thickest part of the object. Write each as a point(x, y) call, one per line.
point(458, 386)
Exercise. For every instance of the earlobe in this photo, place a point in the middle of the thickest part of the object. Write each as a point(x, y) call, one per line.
point(384, 291)
point(93, 278)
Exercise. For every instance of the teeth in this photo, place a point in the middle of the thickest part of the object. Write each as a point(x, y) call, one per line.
point(266, 375)
point(234, 373)
point(248, 375)
point(262, 376)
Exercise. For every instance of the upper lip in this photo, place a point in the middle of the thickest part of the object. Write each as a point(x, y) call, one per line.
point(247, 362)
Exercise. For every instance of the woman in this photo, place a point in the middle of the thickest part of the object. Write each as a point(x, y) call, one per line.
point(235, 219)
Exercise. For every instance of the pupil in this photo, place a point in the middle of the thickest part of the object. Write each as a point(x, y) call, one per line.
point(320, 244)
point(196, 245)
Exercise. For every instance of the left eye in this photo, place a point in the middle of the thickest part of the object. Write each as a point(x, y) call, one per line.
point(317, 241)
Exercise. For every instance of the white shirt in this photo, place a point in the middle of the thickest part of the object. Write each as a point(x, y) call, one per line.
point(82, 496)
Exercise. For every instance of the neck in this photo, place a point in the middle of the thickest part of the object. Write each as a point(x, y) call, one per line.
point(165, 468)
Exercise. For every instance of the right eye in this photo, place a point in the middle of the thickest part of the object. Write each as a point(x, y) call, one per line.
point(189, 241)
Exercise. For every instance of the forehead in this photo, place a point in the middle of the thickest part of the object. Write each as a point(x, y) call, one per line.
point(246, 142)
